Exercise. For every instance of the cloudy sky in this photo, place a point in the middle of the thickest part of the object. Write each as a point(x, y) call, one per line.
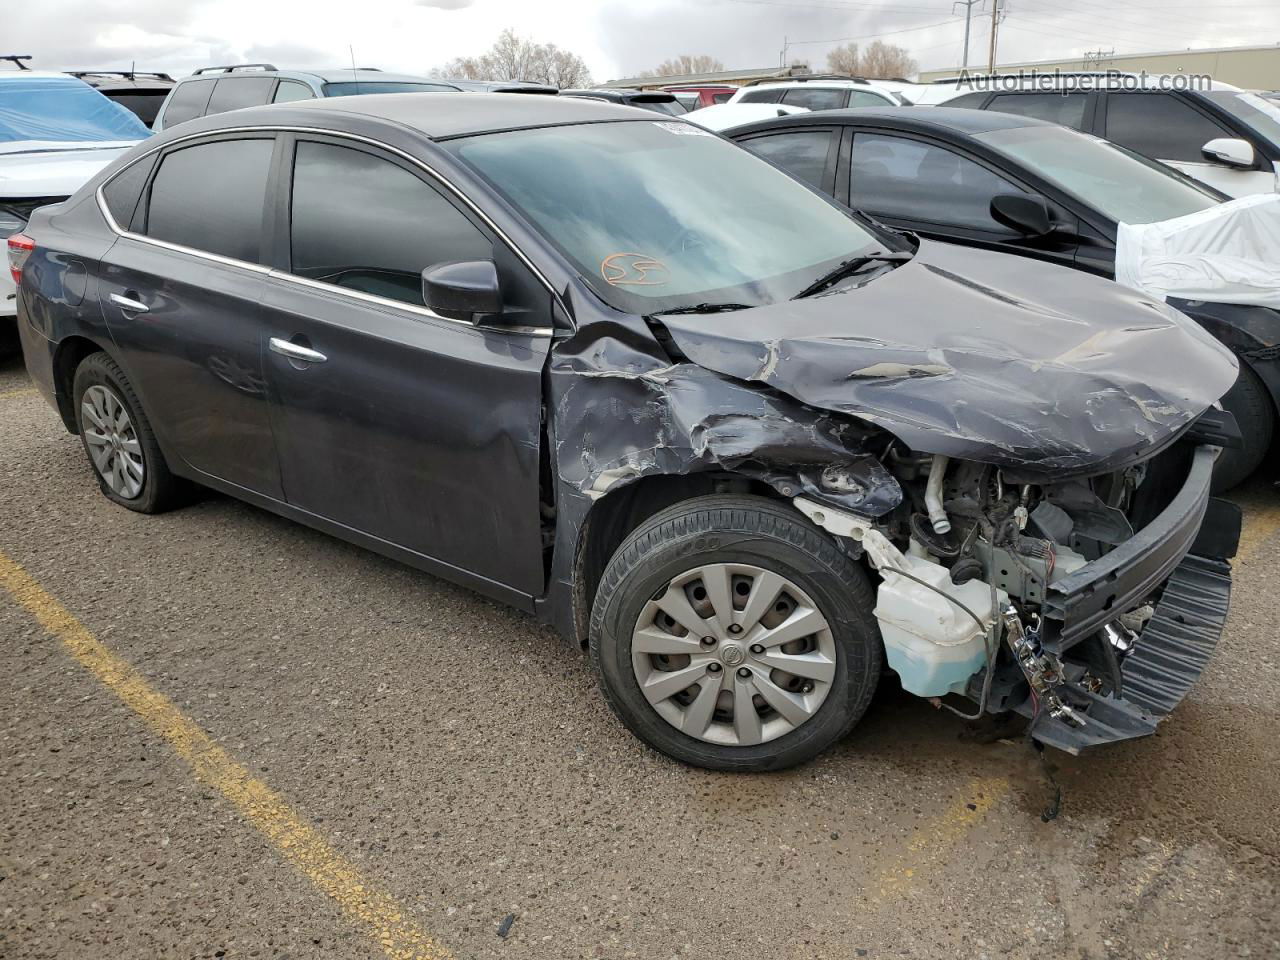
point(616, 37)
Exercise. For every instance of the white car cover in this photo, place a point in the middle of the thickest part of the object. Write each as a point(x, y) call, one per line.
point(1226, 254)
point(722, 116)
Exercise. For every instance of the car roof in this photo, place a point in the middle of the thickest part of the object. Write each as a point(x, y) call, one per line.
point(954, 119)
point(336, 75)
point(441, 116)
point(621, 93)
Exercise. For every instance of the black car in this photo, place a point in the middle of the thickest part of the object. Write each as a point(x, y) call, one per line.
point(538, 346)
point(1020, 185)
point(140, 92)
point(659, 101)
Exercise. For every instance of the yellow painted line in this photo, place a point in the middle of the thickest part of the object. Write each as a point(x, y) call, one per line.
point(14, 394)
point(1259, 526)
point(369, 908)
point(928, 850)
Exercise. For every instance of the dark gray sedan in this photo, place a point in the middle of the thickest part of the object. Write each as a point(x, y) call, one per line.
point(748, 453)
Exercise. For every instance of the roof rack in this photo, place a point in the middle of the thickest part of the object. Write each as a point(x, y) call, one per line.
point(236, 66)
point(806, 78)
point(127, 74)
point(17, 60)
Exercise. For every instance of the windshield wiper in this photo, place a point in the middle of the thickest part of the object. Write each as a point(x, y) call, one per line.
point(851, 266)
point(704, 308)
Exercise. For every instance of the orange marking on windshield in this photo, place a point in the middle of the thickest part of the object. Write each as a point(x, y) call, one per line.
point(634, 270)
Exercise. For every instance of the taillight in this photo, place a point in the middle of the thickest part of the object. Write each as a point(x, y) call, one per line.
point(20, 247)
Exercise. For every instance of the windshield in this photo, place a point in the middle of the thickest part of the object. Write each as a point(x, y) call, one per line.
point(662, 215)
point(1259, 114)
point(62, 110)
point(353, 88)
point(1120, 184)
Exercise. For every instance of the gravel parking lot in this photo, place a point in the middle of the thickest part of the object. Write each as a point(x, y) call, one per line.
point(446, 769)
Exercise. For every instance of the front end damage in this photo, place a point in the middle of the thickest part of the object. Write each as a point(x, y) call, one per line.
point(1028, 487)
point(1089, 606)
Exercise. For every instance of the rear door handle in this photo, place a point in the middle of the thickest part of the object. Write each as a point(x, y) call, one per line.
point(294, 352)
point(128, 303)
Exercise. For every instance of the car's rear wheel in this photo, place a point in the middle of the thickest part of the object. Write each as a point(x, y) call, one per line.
point(1250, 402)
point(729, 633)
point(118, 439)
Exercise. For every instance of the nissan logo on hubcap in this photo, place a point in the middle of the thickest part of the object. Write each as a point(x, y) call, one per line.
point(731, 654)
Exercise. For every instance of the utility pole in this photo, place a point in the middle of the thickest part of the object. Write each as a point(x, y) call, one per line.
point(968, 17)
point(997, 14)
point(1096, 57)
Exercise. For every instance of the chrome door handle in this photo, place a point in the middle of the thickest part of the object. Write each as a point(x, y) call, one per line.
point(125, 303)
point(294, 352)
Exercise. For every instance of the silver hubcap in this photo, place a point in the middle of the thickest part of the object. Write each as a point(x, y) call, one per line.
point(112, 442)
point(733, 654)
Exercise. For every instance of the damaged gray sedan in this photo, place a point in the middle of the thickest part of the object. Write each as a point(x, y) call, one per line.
point(624, 376)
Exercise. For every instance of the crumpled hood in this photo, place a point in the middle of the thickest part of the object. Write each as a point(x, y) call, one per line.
point(981, 356)
point(52, 170)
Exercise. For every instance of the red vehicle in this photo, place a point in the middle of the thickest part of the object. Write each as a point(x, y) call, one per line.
point(708, 94)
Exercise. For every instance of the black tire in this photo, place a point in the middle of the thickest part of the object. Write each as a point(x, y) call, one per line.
point(161, 490)
point(1250, 402)
point(749, 530)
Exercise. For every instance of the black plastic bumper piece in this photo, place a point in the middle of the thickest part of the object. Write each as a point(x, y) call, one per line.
point(1082, 602)
point(1172, 652)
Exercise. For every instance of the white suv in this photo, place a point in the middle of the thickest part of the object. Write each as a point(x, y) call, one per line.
point(818, 93)
point(55, 133)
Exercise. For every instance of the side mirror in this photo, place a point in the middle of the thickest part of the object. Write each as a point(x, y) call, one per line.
point(1024, 212)
point(1230, 152)
point(462, 289)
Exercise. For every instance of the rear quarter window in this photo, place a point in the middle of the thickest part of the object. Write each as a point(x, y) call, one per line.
point(121, 193)
point(234, 93)
point(188, 101)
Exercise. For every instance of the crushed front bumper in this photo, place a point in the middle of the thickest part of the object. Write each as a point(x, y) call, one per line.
point(1179, 639)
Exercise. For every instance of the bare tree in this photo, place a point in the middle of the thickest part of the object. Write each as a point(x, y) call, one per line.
point(844, 59)
point(513, 57)
point(684, 65)
point(886, 60)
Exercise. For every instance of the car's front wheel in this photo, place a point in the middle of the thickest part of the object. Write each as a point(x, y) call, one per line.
point(118, 439)
point(730, 633)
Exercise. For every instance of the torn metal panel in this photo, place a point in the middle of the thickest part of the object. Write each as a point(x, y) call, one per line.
point(622, 412)
point(1035, 368)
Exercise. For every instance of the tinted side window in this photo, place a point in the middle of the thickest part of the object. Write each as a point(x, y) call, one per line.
point(232, 93)
point(910, 180)
point(721, 97)
point(188, 101)
point(122, 192)
point(812, 99)
point(291, 90)
point(211, 197)
point(761, 96)
point(1066, 109)
point(1159, 126)
point(803, 154)
point(863, 98)
point(364, 223)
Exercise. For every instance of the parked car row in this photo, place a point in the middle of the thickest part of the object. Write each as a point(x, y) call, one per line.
point(745, 443)
point(1001, 181)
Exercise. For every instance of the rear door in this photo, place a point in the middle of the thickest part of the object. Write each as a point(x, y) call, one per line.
point(914, 183)
point(1173, 130)
point(180, 292)
point(419, 431)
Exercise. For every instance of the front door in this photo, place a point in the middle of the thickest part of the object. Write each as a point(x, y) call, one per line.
point(915, 184)
point(1172, 130)
point(416, 430)
point(180, 294)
